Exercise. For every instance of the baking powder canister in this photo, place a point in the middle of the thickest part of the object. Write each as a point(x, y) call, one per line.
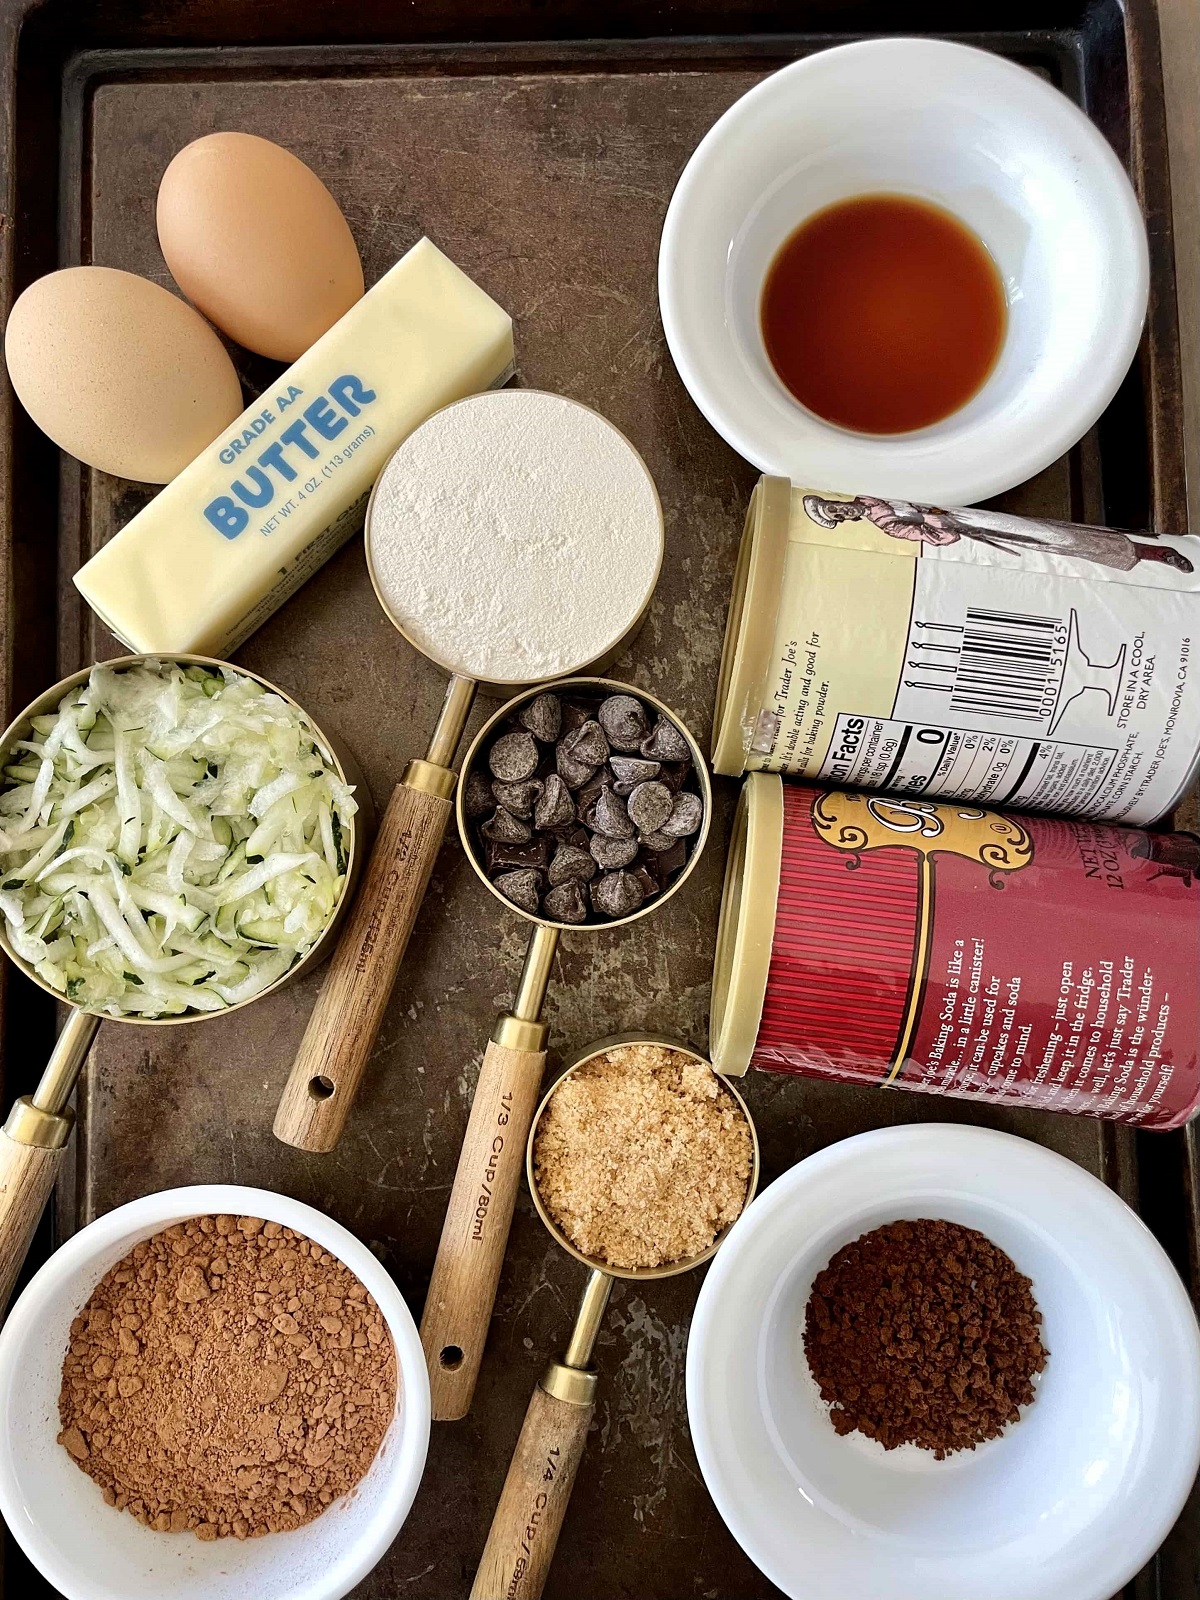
point(1043, 665)
point(938, 946)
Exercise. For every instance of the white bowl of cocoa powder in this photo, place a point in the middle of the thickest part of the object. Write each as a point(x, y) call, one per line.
point(215, 1393)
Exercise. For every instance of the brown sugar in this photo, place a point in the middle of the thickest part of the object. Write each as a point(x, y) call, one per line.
point(924, 1333)
point(642, 1157)
point(228, 1376)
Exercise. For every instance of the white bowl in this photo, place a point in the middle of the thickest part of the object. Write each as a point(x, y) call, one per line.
point(978, 135)
point(1067, 1504)
point(88, 1550)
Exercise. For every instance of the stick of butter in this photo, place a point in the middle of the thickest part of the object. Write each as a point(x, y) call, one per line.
point(254, 516)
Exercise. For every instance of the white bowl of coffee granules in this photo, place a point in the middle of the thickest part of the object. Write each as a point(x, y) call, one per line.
point(934, 1362)
point(212, 1393)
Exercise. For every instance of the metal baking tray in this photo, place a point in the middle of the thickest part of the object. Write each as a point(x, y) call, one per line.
point(538, 145)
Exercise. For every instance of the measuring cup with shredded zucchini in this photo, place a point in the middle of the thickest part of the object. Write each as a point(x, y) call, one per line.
point(173, 838)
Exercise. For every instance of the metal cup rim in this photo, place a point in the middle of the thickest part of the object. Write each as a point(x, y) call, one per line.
point(556, 686)
point(347, 770)
point(580, 1059)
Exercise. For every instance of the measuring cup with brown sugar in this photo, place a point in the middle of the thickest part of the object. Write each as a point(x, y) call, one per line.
point(621, 1085)
point(466, 1272)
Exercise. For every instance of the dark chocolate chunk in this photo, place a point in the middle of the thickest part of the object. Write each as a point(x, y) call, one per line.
point(514, 757)
point(624, 721)
point(478, 800)
point(650, 805)
point(613, 853)
point(628, 772)
point(565, 903)
point(504, 828)
point(668, 862)
point(500, 857)
point(574, 715)
point(686, 815)
point(519, 798)
point(573, 773)
point(554, 808)
point(591, 791)
point(522, 888)
point(656, 841)
point(617, 894)
point(650, 884)
point(609, 816)
point(543, 717)
point(585, 744)
point(675, 774)
point(571, 865)
point(665, 743)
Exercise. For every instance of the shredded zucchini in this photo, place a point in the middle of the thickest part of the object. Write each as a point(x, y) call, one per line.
point(172, 839)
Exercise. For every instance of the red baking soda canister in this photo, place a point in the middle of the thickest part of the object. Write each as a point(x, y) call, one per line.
point(1032, 960)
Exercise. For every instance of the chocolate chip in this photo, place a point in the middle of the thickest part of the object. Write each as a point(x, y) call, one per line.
point(624, 721)
point(609, 816)
point(554, 808)
point(650, 805)
point(687, 813)
point(628, 772)
point(656, 841)
point(504, 828)
point(617, 894)
point(519, 798)
point(665, 743)
point(514, 757)
point(586, 744)
point(613, 853)
point(571, 865)
point(503, 857)
point(522, 888)
point(565, 903)
point(543, 717)
point(573, 773)
point(478, 800)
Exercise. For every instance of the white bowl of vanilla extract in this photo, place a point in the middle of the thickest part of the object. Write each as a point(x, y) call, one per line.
point(903, 267)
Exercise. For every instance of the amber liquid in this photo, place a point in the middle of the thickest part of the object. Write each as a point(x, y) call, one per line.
point(883, 314)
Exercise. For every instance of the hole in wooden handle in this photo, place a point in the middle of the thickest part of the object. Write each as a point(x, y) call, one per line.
point(321, 1088)
point(451, 1357)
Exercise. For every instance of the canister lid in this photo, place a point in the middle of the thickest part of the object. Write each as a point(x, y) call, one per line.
point(750, 627)
point(747, 926)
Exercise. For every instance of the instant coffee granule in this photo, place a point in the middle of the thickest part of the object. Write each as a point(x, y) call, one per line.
point(642, 1157)
point(228, 1376)
point(924, 1333)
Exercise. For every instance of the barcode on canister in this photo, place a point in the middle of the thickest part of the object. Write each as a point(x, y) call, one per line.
point(1009, 664)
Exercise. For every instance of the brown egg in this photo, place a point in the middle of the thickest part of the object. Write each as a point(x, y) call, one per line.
point(256, 241)
point(119, 371)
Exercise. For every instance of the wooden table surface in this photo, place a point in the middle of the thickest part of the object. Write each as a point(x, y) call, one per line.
point(1180, 21)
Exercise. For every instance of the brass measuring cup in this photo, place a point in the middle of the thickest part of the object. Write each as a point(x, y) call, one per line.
point(341, 1032)
point(466, 1271)
point(533, 1503)
point(39, 1125)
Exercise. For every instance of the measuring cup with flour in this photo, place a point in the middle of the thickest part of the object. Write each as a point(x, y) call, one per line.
point(515, 537)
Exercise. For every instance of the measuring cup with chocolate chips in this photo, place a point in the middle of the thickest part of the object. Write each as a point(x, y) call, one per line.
point(582, 805)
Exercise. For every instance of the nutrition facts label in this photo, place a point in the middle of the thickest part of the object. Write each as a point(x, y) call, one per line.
point(990, 768)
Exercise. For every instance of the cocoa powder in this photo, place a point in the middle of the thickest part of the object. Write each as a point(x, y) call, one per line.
point(228, 1376)
point(924, 1333)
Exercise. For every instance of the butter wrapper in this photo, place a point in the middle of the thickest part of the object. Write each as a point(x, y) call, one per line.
point(270, 500)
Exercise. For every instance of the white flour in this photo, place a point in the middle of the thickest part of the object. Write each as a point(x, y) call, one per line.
point(515, 536)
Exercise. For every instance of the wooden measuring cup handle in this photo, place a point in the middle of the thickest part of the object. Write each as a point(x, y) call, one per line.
point(524, 1532)
point(341, 1031)
point(27, 1174)
point(462, 1291)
